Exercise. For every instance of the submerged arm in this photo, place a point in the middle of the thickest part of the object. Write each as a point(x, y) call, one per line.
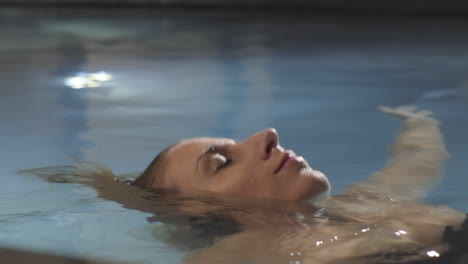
point(416, 158)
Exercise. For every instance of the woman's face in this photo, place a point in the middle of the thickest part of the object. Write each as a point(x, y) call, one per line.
point(255, 167)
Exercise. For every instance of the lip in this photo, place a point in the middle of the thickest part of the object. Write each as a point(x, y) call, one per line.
point(287, 160)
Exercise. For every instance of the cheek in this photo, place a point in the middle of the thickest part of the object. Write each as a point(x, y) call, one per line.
point(257, 185)
point(240, 182)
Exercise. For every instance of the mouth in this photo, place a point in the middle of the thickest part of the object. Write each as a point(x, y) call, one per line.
point(288, 158)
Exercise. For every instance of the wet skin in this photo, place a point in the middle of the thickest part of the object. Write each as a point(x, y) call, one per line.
point(255, 167)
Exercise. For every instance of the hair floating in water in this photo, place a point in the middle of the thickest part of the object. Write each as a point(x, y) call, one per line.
point(83, 172)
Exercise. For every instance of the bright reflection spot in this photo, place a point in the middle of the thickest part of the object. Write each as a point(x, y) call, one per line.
point(433, 254)
point(75, 82)
point(400, 232)
point(318, 243)
point(365, 230)
point(87, 80)
point(93, 84)
point(101, 76)
point(335, 237)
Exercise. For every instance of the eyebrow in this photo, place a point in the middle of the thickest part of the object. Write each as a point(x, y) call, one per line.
point(214, 148)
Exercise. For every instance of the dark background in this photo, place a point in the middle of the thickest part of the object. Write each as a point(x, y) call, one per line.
point(426, 7)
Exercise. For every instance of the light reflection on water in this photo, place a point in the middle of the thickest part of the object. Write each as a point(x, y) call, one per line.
point(87, 80)
point(316, 79)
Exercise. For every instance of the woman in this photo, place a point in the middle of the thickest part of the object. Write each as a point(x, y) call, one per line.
point(245, 192)
point(257, 167)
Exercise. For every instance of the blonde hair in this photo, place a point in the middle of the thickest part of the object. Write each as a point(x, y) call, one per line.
point(153, 176)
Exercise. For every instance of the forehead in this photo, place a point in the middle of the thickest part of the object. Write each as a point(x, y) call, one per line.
point(197, 145)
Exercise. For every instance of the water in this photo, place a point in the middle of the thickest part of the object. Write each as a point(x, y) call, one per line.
point(317, 79)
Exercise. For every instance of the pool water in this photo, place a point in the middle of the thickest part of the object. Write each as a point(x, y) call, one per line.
point(168, 75)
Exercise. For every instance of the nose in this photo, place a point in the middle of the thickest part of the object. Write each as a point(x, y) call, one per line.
point(263, 142)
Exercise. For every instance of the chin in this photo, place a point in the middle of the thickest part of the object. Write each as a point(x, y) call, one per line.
point(322, 180)
point(316, 183)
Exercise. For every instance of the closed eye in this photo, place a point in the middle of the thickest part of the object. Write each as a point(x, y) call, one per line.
point(224, 164)
point(219, 162)
point(218, 157)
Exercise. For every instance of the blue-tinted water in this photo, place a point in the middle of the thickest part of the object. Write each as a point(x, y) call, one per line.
point(317, 79)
